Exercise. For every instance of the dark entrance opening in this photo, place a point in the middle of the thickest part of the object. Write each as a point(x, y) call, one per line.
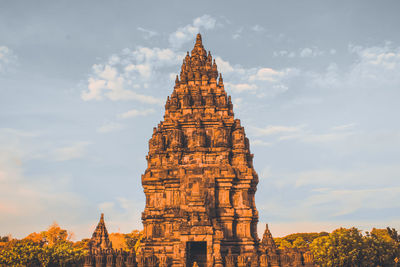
point(196, 252)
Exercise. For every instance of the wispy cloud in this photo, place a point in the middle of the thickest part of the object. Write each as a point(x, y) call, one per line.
point(125, 76)
point(187, 33)
point(260, 81)
point(306, 52)
point(23, 196)
point(135, 113)
point(7, 58)
point(276, 129)
point(147, 33)
point(257, 28)
point(74, 151)
point(110, 127)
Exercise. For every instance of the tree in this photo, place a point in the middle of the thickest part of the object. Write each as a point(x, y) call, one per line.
point(283, 243)
point(348, 247)
point(300, 243)
point(20, 253)
point(133, 239)
point(49, 248)
point(297, 240)
point(379, 250)
point(118, 241)
point(55, 234)
point(35, 237)
point(343, 247)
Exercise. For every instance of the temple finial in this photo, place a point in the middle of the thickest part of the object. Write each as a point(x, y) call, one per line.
point(198, 39)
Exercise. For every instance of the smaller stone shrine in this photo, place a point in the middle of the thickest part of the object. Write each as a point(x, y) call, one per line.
point(101, 253)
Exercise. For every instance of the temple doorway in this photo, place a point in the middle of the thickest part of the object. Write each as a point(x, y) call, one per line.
point(196, 252)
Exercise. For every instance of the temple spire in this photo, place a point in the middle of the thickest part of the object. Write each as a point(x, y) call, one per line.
point(198, 39)
point(100, 239)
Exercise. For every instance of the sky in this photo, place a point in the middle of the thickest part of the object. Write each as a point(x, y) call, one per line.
point(316, 85)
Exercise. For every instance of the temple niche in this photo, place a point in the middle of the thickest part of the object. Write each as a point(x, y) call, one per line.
point(200, 183)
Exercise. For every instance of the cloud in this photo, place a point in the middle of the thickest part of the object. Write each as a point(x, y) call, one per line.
point(135, 113)
point(74, 151)
point(147, 33)
point(188, 32)
point(257, 28)
point(260, 81)
point(311, 52)
point(378, 63)
point(7, 58)
point(258, 142)
point(373, 71)
point(25, 196)
point(110, 127)
point(268, 74)
point(306, 52)
point(126, 74)
point(334, 137)
point(241, 87)
point(276, 129)
point(347, 201)
point(350, 196)
point(237, 34)
point(344, 127)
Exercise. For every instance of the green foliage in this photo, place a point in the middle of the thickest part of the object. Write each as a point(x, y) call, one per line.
point(54, 234)
point(348, 247)
point(133, 239)
point(49, 248)
point(297, 240)
point(340, 248)
point(300, 243)
point(379, 250)
point(282, 243)
point(393, 234)
point(20, 253)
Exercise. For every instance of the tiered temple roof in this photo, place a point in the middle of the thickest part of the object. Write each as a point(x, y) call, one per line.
point(100, 239)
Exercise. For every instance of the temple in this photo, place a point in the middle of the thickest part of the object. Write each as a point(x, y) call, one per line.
point(200, 184)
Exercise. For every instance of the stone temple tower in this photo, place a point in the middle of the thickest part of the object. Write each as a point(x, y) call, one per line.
point(200, 181)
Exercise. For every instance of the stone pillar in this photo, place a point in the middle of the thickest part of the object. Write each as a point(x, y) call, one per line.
point(88, 260)
point(131, 259)
point(242, 261)
point(110, 260)
point(230, 260)
point(254, 262)
point(264, 260)
point(99, 258)
point(120, 262)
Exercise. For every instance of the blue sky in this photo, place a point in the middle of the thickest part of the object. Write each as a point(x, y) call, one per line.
point(315, 83)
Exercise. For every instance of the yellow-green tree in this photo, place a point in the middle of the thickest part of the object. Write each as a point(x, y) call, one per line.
point(343, 247)
point(348, 247)
point(297, 240)
point(55, 234)
point(133, 239)
point(47, 249)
